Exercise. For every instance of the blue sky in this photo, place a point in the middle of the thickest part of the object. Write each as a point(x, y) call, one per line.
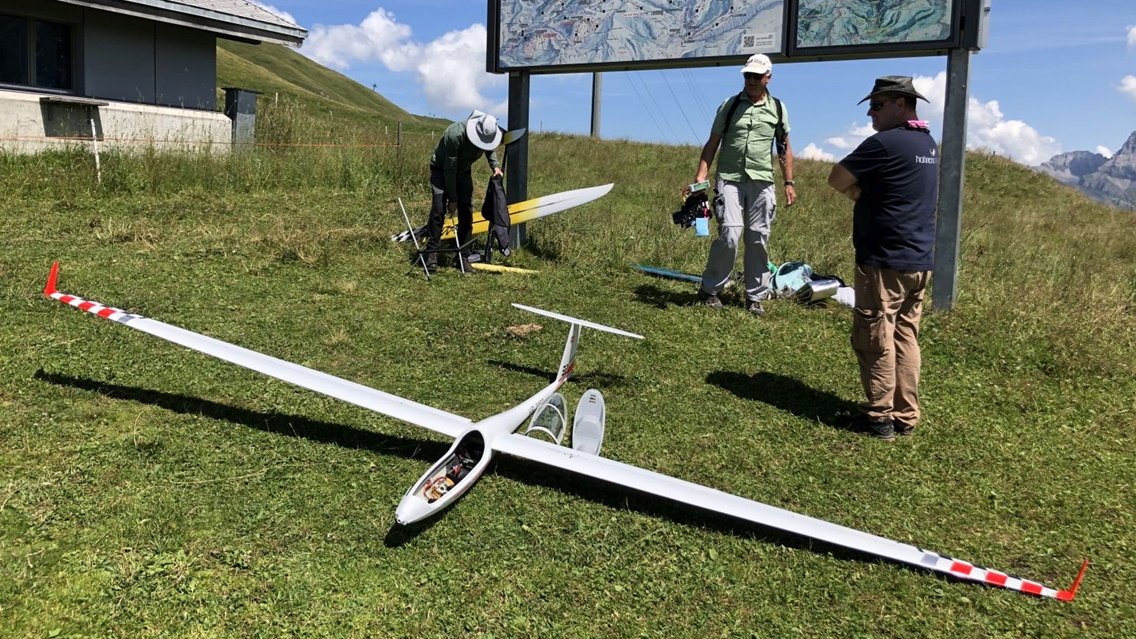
point(1055, 76)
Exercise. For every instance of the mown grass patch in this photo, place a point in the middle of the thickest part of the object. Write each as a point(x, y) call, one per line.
point(146, 490)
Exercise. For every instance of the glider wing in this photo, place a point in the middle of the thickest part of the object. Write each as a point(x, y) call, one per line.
point(519, 212)
point(391, 405)
point(700, 496)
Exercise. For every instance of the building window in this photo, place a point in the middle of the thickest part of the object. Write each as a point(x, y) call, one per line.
point(13, 50)
point(35, 53)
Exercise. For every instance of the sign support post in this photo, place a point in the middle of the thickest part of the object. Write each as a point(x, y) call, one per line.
point(952, 165)
point(597, 90)
point(517, 153)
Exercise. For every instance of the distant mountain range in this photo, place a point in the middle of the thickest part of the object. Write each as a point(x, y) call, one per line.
point(1110, 180)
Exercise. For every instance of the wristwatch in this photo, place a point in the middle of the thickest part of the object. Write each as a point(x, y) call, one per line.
point(790, 183)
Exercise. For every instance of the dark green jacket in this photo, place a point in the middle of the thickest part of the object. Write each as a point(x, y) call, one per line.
point(456, 154)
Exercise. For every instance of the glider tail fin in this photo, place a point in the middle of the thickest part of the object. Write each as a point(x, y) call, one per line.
point(568, 360)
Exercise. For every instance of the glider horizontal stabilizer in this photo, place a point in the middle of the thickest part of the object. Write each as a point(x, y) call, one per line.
point(391, 405)
point(512, 136)
point(573, 320)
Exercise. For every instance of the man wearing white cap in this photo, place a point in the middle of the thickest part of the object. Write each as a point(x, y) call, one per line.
point(745, 127)
point(452, 182)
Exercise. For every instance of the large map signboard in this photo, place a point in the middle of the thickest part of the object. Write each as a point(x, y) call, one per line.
point(551, 35)
point(873, 24)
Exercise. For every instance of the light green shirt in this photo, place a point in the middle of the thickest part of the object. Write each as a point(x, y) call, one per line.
point(746, 152)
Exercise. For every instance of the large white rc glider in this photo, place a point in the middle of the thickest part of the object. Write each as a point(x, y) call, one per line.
point(476, 442)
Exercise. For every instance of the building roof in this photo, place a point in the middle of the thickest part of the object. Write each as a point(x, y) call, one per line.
point(237, 19)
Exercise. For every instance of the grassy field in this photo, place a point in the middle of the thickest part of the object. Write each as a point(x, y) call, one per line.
point(149, 491)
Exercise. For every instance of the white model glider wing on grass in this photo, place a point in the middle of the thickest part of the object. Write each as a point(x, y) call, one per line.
point(718, 501)
point(394, 406)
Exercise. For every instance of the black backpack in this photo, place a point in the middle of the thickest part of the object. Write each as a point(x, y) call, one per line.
point(496, 211)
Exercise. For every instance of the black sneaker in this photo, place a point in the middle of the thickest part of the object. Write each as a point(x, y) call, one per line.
point(754, 307)
point(903, 430)
point(709, 299)
point(884, 429)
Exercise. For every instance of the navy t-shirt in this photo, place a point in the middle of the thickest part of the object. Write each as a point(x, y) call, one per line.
point(893, 222)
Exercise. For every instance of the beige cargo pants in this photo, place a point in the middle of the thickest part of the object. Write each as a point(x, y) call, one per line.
point(885, 337)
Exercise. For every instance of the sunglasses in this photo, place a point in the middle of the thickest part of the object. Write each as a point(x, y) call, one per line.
point(753, 76)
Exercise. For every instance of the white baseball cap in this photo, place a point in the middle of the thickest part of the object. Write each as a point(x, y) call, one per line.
point(758, 63)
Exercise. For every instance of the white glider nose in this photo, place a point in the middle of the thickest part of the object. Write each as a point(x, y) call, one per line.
point(411, 509)
point(446, 480)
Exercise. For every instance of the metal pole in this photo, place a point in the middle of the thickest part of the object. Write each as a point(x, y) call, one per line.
point(597, 90)
point(517, 178)
point(95, 142)
point(952, 165)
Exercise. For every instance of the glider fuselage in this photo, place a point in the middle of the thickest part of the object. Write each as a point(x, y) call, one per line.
point(464, 463)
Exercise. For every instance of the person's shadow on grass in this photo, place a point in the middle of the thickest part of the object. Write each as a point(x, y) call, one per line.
point(661, 298)
point(789, 395)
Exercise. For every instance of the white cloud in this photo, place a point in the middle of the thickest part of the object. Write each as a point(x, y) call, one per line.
point(1104, 150)
point(987, 127)
point(1132, 37)
point(378, 37)
point(1128, 86)
point(451, 69)
point(814, 152)
point(852, 139)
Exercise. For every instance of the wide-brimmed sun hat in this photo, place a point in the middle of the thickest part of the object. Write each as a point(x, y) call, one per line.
point(902, 84)
point(482, 130)
point(758, 63)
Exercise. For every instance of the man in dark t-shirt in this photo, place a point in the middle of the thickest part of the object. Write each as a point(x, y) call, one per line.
point(893, 179)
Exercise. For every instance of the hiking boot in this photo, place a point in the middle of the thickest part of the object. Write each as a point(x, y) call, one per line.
point(754, 307)
point(903, 430)
point(473, 257)
point(884, 429)
point(431, 265)
point(709, 299)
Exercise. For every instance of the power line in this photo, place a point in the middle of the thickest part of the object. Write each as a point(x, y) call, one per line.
point(680, 109)
point(647, 104)
point(695, 90)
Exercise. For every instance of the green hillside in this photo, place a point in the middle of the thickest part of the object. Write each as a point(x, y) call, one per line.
point(279, 72)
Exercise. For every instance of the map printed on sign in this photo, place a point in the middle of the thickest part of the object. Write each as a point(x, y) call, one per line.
point(835, 23)
point(536, 33)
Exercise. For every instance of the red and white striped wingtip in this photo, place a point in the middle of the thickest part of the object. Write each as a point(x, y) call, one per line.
point(106, 312)
point(49, 288)
point(965, 570)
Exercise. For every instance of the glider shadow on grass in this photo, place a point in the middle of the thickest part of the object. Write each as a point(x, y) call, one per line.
point(518, 470)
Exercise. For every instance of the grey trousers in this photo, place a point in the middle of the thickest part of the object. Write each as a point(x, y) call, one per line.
point(742, 209)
